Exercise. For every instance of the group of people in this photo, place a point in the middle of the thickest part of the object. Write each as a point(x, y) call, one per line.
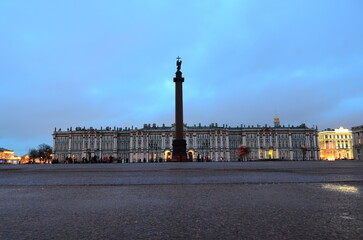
point(106, 159)
point(94, 159)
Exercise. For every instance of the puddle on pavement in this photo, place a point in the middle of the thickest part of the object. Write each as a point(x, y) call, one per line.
point(341, 188)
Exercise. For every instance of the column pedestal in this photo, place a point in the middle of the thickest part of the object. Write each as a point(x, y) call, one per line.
point(180, 151)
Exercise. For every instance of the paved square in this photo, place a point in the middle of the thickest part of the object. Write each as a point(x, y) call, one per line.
point(249, 200)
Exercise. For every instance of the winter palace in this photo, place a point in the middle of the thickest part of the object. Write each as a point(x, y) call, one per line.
point(153, 143)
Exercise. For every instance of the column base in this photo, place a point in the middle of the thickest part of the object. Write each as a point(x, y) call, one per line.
point(180, 151)
point(179, 159)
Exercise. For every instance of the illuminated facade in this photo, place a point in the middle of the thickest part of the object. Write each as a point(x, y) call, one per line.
point(336, 144)
point(7, 156)
point(358, 142)
point(204, 143)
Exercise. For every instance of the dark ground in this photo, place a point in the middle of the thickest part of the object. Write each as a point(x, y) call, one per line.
point(250, 200)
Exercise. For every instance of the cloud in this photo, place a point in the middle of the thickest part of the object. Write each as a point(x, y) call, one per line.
point(112, 63)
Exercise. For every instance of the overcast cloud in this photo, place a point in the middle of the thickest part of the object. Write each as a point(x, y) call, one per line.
point(112, 63)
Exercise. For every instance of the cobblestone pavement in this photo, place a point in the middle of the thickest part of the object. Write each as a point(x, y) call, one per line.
point(248, 200)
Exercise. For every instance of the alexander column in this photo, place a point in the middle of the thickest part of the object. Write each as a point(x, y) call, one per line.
point(179, 143)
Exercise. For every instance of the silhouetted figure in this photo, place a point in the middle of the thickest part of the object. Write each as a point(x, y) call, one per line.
point(178, 64)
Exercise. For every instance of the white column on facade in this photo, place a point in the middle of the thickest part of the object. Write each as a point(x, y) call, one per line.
point(142, 142)
point(221, 141)
point(195, 141)
point(265, 147)
point(100, 146)
point(131, 148)
point(316, 146)
point(114, 149)
point(290, 146)
point(309, 152)
point(244, 140)
point(89, 142)
point(277, 146)
point(221, 148)
point(187, 140)
point(137, 147)
point(217, 149)
point(258, 146)
point(136, 144)
point(54, 148)
point(307, 140)
point(163, 143)
point(83, 146)
point(147, 148)
point(315, 140)
point(311, 147)
point(69, 145)
point(227, 148)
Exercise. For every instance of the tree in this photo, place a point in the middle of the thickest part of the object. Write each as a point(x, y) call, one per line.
point(44, 152)
point(33, 154)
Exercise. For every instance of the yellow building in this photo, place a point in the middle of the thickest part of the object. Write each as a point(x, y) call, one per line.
point(336, 144)
point(7, 156)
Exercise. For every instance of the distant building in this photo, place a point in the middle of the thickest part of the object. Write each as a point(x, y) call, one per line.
point(7, 156)
point(204, 143)
point(358, 142)
point(336, 144)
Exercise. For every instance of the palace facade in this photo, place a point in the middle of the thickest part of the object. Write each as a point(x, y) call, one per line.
point(7, 156)
point(358, 142)
point(336, 144)
point(204, 143)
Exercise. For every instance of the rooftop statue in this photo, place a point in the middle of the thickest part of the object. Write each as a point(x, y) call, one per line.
point(178, 63)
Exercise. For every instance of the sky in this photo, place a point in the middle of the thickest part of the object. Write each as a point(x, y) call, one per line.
point(67, 63)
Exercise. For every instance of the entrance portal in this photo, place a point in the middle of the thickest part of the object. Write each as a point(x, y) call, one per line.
point(191, 155)
point(270, 154)
point(167, 156)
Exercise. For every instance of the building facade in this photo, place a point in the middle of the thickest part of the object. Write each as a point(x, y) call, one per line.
point(7, 156)
point(358, 142)
point(336, 144)
point(204, 143)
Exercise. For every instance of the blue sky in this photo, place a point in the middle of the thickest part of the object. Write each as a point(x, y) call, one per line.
point(112, 63)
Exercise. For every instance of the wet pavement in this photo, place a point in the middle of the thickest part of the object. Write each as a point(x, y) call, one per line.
point(249, 200)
